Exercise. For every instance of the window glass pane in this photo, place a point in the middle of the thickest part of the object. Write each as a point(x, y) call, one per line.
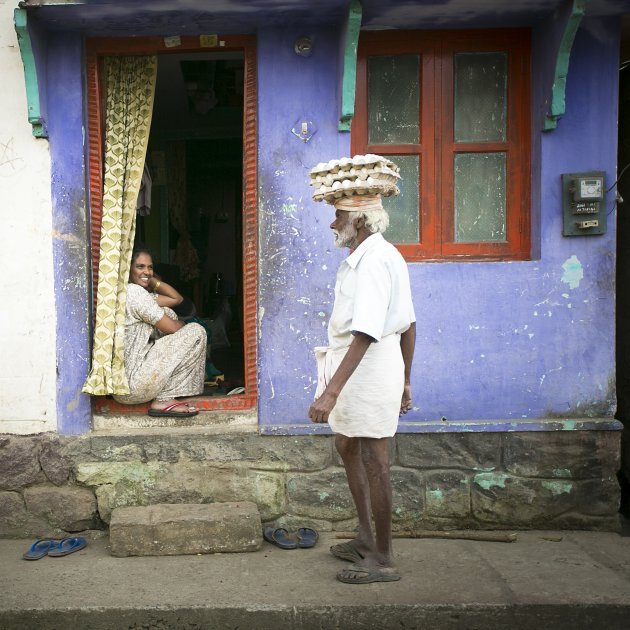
point(394, 99)
point(480, 96)
point(404, 217)
point(480, 205)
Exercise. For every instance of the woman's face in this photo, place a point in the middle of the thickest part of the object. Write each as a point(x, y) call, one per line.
point(141, 270)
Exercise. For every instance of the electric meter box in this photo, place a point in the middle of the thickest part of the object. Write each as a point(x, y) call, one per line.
point(583, 206)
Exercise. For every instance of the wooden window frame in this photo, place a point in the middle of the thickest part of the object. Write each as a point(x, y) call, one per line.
point(96, 50)
point(437, 148)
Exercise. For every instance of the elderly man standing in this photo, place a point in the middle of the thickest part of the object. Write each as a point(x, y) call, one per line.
point(366, 378)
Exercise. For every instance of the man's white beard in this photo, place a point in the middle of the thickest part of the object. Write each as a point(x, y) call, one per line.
point(347, 237)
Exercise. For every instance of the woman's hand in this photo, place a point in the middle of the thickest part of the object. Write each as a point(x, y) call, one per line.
point(166, 294)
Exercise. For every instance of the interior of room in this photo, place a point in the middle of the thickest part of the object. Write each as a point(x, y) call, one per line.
point(190, 205)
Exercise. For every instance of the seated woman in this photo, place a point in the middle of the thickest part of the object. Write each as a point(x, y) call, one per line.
point(164, 359)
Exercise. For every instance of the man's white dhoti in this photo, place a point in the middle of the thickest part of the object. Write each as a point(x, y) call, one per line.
point(373, 297)
point(369, 403)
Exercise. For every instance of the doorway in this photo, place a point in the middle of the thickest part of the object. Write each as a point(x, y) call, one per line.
point(194, 225)
point(623, 272)
point(200, 222)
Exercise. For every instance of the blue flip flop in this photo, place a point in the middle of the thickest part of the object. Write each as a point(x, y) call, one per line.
point(40, 548)
point(307, 537)
point(279, 537)
point(67, 546)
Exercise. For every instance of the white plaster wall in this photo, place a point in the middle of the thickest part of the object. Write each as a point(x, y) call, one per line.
point(27, 313)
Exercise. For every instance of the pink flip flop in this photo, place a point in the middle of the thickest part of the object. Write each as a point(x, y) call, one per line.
point(168, 412)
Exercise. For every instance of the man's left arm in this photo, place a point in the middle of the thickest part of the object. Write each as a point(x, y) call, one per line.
point(321, 408)
point(407, 346)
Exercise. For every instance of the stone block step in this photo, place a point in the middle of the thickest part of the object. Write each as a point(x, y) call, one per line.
point(180, 529)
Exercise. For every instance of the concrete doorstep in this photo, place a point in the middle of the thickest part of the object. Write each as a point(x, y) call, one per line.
point(549, 580)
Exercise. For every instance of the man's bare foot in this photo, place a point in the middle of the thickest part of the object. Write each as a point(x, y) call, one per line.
point(352, 551)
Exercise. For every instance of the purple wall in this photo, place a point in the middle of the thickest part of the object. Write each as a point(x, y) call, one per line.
point(518, 342)
point(70, 231)
point(499, 341)
point(297, 255)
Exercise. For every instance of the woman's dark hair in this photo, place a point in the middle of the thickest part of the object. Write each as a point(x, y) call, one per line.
point(140, 249)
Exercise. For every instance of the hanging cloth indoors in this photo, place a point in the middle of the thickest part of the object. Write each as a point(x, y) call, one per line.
point(144, 196)
point(186, 257)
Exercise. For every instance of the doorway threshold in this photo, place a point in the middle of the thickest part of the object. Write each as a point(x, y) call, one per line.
point(216, 421)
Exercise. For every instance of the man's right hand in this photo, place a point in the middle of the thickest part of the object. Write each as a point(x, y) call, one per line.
point(406, 402)
point(321, 408)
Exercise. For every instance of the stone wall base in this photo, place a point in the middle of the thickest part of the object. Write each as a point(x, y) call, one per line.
point(528, 480)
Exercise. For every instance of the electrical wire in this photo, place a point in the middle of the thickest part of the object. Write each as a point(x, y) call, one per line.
point(623, 170)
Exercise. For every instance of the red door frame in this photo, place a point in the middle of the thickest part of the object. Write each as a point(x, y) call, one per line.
point(96, 50)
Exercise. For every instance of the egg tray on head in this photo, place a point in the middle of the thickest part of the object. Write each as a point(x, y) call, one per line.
point(360, 175)
point(348, 188)
point(359, 161)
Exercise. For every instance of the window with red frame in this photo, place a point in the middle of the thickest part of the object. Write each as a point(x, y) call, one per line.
point(452, 109)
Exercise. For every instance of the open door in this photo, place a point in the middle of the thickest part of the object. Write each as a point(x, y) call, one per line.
point(197, 208)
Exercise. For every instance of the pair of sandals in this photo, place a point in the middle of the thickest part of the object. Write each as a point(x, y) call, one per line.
point(54, 548)
point(303, 538)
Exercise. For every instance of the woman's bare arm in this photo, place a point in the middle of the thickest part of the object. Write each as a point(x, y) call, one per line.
point(169, 326)
point(166, 294)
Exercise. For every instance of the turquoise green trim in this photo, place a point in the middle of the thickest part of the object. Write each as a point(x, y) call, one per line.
point(30, 73)
point(349, 81)
point(558, 105)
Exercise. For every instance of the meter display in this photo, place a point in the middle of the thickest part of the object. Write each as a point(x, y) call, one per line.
point(592, 188)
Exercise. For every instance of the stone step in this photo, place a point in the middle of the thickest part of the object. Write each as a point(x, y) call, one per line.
point(180, 529)
point(224, 419)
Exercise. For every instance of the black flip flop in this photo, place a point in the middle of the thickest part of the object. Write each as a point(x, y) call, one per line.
point(356, 574)
point(346, 551)
point(279, 537)
point(307, 537)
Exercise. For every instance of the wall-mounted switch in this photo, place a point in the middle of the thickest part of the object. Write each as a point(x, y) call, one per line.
point(304, 130)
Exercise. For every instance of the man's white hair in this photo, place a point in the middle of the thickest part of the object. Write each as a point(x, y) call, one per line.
point(375, 220)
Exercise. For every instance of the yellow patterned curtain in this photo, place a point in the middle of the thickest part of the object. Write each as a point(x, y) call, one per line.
point(130, 88)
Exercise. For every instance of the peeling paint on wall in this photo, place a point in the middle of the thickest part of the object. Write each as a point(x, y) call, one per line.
point(573, 272)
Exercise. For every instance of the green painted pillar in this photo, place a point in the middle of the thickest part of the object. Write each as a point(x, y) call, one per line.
point(349, 80)
point(20, 18)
